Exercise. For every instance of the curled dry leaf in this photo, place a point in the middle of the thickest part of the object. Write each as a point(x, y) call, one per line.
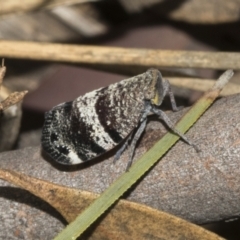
point(12, 99)
point(126, 219)
point(10, 120)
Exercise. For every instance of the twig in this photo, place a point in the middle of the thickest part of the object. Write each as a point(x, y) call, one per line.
point(202, 85)
point(95, 55)
point(2, 72)
point(12, 6)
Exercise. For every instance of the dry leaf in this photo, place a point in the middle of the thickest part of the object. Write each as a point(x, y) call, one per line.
point(125, 220)
point(11, 118)
point(12, 99)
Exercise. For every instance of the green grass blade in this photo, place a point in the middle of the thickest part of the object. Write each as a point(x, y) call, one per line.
point(126, 180)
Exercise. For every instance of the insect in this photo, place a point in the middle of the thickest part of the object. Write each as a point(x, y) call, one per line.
point(81, 130)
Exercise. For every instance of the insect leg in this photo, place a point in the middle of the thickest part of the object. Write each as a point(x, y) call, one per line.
point(122, 149)
point(137, 135)
point(166, 119)
point(143, 121)
point(167, 89)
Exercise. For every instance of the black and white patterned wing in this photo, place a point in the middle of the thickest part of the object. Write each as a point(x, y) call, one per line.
point(92, 124)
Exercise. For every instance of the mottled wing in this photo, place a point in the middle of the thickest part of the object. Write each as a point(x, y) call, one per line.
point(92, 124)
point(55, 133)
